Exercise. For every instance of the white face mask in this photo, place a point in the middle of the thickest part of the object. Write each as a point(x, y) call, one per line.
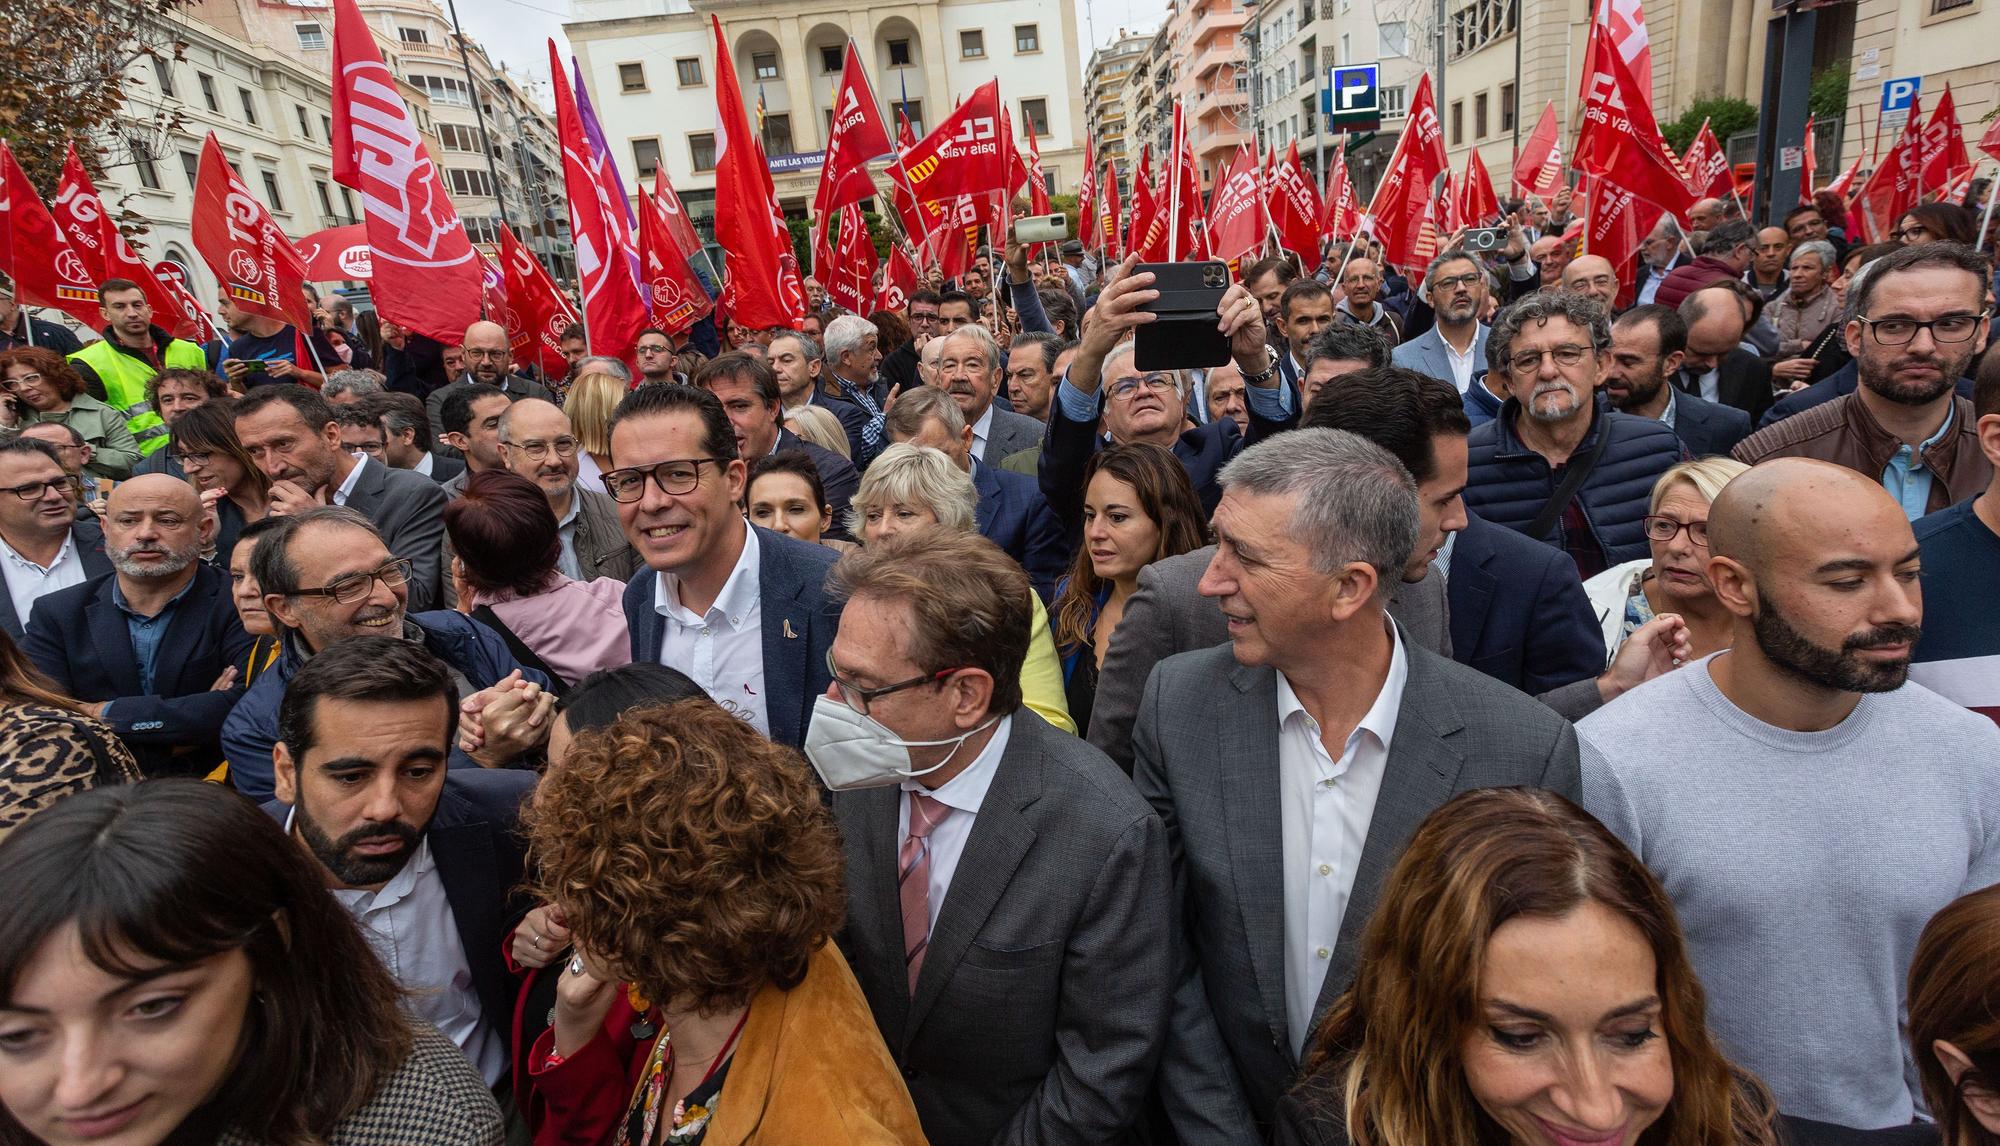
point(851, 751)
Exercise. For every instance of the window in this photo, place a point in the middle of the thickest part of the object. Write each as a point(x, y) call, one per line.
point(1243, 81)
point(347, 204)
point(1035, 116)
point(1480, 23)
point(1947, 5)
point(325, 200)
point(142, 162)
point(413, 35)
point(208, 91)
point(1479, 116)
point(305, 124)
point(470, 182)
point(899, 53)
point(687, 71)
point(1457, 122)
point(1506, 108)
point(778, 134)
point(1395, 102)
point(972, 44)
point(271, 196)
point(701, 150)
point(1392, 38)
point(326, 127)
point(1346, 48)
point(312, 37)
point(764, 65)
point(482, 229)
point(445, 90)
point(646, 156)
point(912, 110)
point(631, 77)
point(832, 59)
point(458, 137)
point(191, 163)
point(1027, 38)
point(163, 71)
point(249, 106)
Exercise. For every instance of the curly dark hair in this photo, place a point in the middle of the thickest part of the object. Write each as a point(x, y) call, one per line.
point(689, 854)
point(53, 367)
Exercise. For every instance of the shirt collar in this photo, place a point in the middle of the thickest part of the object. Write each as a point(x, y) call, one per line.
point(1950, 415)
point(118, 599)
point(425, 463)
point(738, 594)
point(984, 425)
point(966, 791)
point(346, 489)
point(1380, 719)
point(62, 555)
point(575, 510)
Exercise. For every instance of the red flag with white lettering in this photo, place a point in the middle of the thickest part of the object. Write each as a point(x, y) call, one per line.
point(1108, 220)
point(954, 241)
point(1236, 219)
point(1399, 206)
point(1477, 202)
point(1086, 194)
point(1943, 144)
point(672, 290)
point(534, 302)
point(857, 136)
point(258, 267)
point(1538, 169)
point(964, 155)
point(1339, 216)
point(46, 270)
point(678, 225)
point(1892, 189)
point(1707, 166)
point(1617, 223)
point(854, 262)
point(763, 288)
point(901, 281)
point(1990, 142)
point(1620, 139)
point(77, 212)
point(193, 322)
point(613, 310)
point(1144, 235)
point(1622, 24)
point(426, 275)
point(1294, 206)
point(1183, 207)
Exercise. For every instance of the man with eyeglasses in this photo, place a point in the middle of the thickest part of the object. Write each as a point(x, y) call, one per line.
point(1454, 348)
point(75, 453)
point(654, 354)
point(43, 547)
point(741, 610)
point(1556, 463)
point(151, 650)
point(1003, 877)
point(1914, 323)
point(537, 443)
point(1593, 277)
point(327, 577)
point(489, 361)
point(1360, 299)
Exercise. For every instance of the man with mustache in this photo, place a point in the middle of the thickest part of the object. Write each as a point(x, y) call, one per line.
point(427, 861)
point(151, 646)
point(1914, 324)
point(970, 367)
point(1806, 809)
point(328, 578)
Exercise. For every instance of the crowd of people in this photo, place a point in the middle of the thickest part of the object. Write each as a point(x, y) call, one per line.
point(1499, 705)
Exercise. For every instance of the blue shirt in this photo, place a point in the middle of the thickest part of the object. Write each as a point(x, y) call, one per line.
point(1907, 478)
point(147, 632)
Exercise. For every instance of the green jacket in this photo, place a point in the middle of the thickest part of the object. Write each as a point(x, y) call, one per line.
point(113, 449)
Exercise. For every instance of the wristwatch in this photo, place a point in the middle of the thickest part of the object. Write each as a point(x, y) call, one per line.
point(1270, 368)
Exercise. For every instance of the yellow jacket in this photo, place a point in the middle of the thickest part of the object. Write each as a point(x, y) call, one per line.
point(1041, 673)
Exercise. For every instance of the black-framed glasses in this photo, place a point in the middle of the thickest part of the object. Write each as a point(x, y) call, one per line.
point(1456, 281)
point(673, 477)
point(1916, 234)
point(1902, 331)
point(196, 458)
point(649, 351)
point(353, 588)
point(859, 698)
point(1663, 529)
point(32, 491)
point(1529, 361)
point(474, 355)
point(917, 316)
point(537, 449)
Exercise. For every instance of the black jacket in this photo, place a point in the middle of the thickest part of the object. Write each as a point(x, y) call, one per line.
point(1706, 427)
point(1067, 447)
point(52, 335)
point(1743, 381)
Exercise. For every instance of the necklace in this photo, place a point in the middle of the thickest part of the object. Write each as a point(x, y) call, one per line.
point(687, 1120)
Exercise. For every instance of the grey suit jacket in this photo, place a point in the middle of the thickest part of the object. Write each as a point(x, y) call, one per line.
point(601, 547)
point(1010, 433)
point(408, 511)
point(1167, 614)
point(1426, 354)
point(1044, 995)
point(1207, 760)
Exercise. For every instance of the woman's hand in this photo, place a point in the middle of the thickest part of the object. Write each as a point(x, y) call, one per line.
point(582, 1001)
point(540, 939)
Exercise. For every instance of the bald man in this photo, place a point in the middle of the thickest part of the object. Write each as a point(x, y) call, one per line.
point(152, 646)
point(488, 359)
point(1705, 214)
point(1551, 255)
point(1592, 276)
point(1807, 809)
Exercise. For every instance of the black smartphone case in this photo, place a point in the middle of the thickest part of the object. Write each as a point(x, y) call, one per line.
point(1185, 333)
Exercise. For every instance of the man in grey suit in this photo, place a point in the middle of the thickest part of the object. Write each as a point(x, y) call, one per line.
point(970, 367)
point(1008, 915)
point(1291, 766)
point(292, 435)
point(1454, 348)
point(537, 443)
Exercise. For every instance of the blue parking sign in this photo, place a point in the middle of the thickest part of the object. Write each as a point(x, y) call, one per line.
point(1898, 94)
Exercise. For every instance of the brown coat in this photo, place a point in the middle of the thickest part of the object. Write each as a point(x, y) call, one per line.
point(1844, 432)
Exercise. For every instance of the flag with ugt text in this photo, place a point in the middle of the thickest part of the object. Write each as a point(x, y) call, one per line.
point(763, 287)
point(672, 290)
point(426, 275)
point(964, 155)
point(613, 309)
point(1400, 204)
point(1538, 169)
point(79, 211)
point(234, 234)
point(536, 304)
point(46, 270)
point(76, 210)
point(852, 284)
point(857, 136)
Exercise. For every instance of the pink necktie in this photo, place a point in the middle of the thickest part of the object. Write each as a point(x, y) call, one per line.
point(913, 881)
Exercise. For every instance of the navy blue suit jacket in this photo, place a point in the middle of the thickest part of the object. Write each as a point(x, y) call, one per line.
point(480, 858)
point(1067, 447)
point(79, 637)
point(1518, 610)
point(799, 622)
point(1706, 427)
point(1014, 515)
point(89, 539)
point(1841, 382)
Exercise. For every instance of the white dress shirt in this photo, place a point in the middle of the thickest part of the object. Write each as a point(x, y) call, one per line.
point(28, 582)
point(1325, 806)
point(721, 650)
point(1710, 384)
point(963, 794)
point(980, 429)
point(1461, 364)
point(341, 495)
point(410, 925)
point(425, 462)
point(589, 474)
point(566, 559)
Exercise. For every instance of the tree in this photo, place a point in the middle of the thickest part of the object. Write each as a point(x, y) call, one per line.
point(1827, 98)
point(1727, 115)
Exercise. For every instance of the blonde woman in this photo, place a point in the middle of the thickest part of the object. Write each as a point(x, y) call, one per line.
point(1675, 578)
point(595, 393)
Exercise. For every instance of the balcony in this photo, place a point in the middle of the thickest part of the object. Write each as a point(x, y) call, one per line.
point(1214, 58)
point(1218, 18)
point(1224, 142)
point(1224, 99)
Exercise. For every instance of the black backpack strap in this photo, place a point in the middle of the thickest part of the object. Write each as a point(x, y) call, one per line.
point(1574, 475)
point(523, 655)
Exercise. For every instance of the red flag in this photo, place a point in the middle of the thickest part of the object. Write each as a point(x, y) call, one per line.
point(80, 212)
point(1958, 185)
point(1892, 189)
point(1622, 24)
point(953, 242)
point(1538, 169)
point(1845, 183)
point(535, 304)
point(1086, 194)
point(1236, 223)
point(678, 225)
point(426, 276)
point(857, 136)
point(1140, 230)
point(337, 253)
point(763, 287)
point(45, 269)
point(1339, 216)
point(77, 212)
point(1707, 166)
point(1990, 142)
point(1398, 206)
point(853, 282)
point(493, 304)
point(1108, 220)
point(258, 268)
point(1943, 144)
point(1448, 212)
point(1183, 206)
point(1620, 139)
point(613, 310)
point(1811, 165)
point(1294, 206)
point(964, 155)
point(901, 281)
point(1617, 223)
point(672, 290)
point(1477, 202)
point(193, 322)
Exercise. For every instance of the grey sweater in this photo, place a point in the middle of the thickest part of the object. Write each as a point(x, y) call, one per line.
point(1803, 866)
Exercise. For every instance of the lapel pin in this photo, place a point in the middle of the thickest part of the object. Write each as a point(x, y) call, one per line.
point(789, 634)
